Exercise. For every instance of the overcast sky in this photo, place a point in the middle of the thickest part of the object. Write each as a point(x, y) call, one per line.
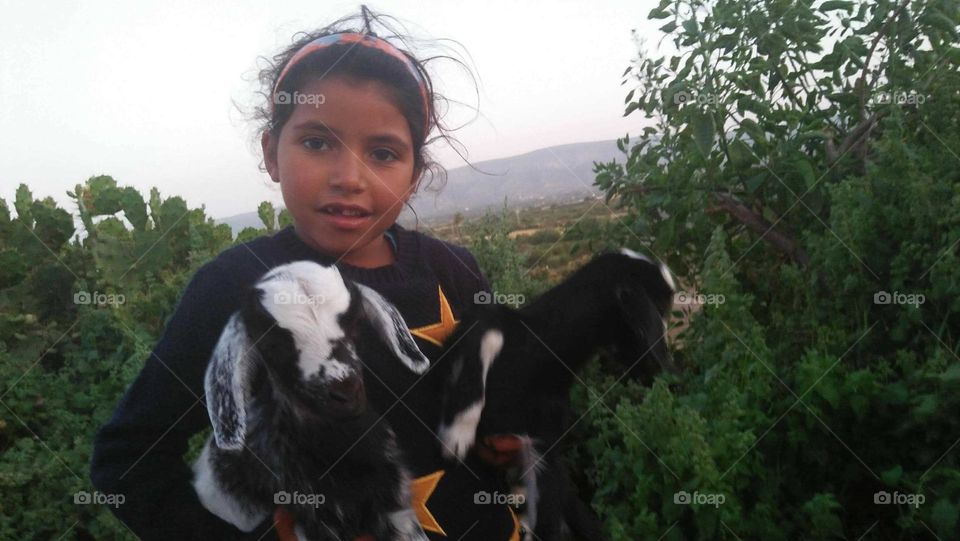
point(145, 91)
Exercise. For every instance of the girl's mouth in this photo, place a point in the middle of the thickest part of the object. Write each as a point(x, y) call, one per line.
point(344, 216)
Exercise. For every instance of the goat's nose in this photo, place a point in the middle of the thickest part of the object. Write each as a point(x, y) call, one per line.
point(347, 390)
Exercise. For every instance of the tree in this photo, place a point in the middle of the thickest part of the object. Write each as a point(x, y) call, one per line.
point(803, 170)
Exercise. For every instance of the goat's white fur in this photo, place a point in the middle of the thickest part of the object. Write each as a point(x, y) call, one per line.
point(229, 371)
point(219, 502)
point(532, 462)
point(459, 437)
point(308, 300)
point(664, 270)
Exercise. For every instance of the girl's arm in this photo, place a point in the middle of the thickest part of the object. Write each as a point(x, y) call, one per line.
point(139, 451)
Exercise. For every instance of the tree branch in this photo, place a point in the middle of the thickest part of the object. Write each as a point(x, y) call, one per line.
point(757, 223)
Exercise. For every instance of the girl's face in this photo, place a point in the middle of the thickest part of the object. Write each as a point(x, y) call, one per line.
point(345, 168)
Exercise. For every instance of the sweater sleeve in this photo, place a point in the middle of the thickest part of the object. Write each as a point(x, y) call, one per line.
point(139, 451)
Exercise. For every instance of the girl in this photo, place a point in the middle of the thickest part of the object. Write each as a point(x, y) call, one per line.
point(345, 130)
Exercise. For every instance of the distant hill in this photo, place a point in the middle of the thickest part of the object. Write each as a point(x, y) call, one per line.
point(560, 173)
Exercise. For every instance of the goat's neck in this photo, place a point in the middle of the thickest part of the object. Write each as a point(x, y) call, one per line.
point(574, 318)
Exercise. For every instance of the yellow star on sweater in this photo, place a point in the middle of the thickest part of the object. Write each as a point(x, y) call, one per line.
point(437, 333)
point(421, 489)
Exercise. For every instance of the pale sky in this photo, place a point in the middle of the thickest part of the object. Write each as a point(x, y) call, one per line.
point(144, 90)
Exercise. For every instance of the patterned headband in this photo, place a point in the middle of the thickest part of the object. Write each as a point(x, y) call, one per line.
point(366, 40)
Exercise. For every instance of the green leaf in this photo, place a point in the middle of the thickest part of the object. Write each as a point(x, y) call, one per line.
point(833, 5)
point(805, 170)
point(658, 13)
point(285, 218)
point(756, 134)
point(740, 154)
point(892, 476)
point(703, 131)
point(267, 215)
point(754, 182)
point(22, 203)
point(669, 27)
point(134, 208)
point(944, 516)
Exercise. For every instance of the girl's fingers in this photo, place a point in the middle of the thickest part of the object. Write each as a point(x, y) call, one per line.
point(284, 523)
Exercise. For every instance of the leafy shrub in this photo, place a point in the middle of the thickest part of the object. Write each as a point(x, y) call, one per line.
point(826, 216)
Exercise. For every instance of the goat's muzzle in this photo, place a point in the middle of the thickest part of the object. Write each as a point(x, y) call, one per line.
point(347, 396)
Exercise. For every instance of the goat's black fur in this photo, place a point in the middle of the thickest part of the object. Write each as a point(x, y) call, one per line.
point(617, 300)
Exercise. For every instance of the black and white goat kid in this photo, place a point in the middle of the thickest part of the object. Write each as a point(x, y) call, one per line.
point(512, 371)
point(291, 425)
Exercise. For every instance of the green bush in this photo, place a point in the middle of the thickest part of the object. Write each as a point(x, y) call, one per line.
point(784, 183)
point(80, 314)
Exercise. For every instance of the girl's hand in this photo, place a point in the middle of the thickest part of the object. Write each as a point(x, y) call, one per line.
point(284, 521)
point(500, 450)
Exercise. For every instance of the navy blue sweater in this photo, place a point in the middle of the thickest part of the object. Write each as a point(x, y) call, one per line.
point(139, 451)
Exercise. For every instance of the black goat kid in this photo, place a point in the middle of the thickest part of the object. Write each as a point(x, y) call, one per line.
point(511, 371)
point(291, 423)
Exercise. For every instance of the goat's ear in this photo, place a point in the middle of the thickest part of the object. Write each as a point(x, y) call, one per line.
point(646, 325)
point(227, 384)
point(391, 327)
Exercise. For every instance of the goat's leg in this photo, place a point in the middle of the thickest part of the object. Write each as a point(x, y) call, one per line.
point(583, 522)
point(548, 505)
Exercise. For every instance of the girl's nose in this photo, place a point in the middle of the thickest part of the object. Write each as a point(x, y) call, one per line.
point(348, 173)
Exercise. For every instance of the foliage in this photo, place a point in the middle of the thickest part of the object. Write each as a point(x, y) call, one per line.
point(803, 168)
point(499, 257)
point(80, 313)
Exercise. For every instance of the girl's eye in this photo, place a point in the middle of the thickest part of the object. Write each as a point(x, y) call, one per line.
point(384, 155)
point(314, 143)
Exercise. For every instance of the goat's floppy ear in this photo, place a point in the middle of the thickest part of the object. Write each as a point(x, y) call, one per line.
point(227, 384)
point(391, 327)
point(645, 322)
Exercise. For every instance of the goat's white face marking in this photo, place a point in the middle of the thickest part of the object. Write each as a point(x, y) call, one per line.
point(490, 346)
point(664, 270)
point(459, 437)
point(630, 253)
point(667, 276)
point(307, 299)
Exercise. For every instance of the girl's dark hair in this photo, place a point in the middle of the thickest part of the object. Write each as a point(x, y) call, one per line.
point(368, 64)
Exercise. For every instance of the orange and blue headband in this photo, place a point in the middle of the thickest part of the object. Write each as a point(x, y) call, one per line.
point(366, 40)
